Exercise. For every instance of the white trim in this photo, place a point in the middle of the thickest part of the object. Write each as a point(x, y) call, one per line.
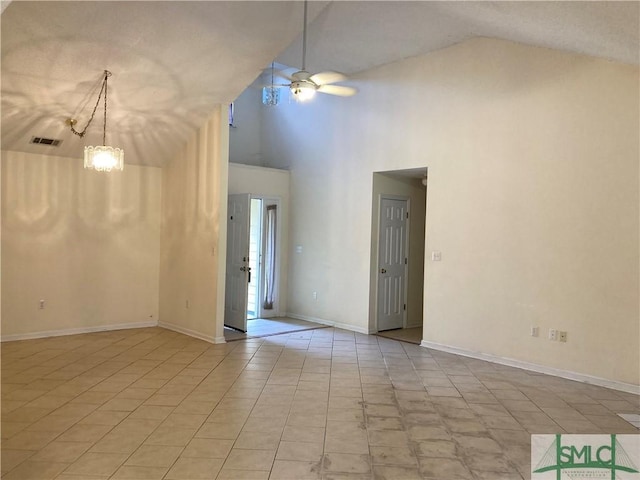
point(191, 333)
point(76, 331)
point(556, 372)
point(322, 321)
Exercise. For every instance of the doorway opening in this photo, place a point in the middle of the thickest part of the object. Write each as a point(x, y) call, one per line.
point(396, 297)
point(253, 243)
point(255, 258)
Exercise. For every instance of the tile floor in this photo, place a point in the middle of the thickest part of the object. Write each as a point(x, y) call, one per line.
point(318, 404)
point(411, 335)
point(264, 327)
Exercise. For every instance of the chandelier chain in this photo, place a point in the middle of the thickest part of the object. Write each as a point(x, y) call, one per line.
point(103, 88)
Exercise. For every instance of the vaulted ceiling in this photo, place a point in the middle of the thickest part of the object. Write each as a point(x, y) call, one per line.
point(172, 61)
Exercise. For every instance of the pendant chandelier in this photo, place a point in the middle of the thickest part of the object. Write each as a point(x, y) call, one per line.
point(101, 158)
point(271, 93)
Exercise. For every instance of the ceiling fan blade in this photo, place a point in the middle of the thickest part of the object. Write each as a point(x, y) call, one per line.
point(324, 78)
point(339, 90)
point(284, 74)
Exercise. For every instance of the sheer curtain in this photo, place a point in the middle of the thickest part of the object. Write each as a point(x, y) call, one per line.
point(270, 258)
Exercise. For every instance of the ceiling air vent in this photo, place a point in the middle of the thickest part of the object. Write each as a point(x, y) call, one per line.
point(46, 141)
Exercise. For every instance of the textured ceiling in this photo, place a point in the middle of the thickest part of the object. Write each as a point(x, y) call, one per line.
point(354, 36)
point(172, 61)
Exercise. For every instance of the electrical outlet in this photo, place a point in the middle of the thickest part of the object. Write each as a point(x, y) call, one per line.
point(562, 336)
point(436, 256)
point(41, 303)
point(535, 331)
point(553, 334)
point(315, 296)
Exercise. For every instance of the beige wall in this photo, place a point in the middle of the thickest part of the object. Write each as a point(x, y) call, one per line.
point(194, 200)
point(268, 183)
point(86, 243)
point(533, 199)
point(413, 189)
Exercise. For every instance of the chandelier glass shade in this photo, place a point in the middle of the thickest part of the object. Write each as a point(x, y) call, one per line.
point(104, 158)
point(100, 158)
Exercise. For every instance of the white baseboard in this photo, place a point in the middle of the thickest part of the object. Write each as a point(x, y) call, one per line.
point(322, 321)
point(191, 333)
point(76, 331)
point(556, 372)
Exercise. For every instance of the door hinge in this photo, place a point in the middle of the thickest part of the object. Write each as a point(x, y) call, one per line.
point(405, 260)
point(407, 214)
point(405, 307)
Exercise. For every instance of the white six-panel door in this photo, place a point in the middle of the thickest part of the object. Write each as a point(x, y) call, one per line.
point(237, 285)
point(392, 263)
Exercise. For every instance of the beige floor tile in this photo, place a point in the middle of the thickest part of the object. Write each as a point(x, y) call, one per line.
point(154, 456)
point(195, 469)
point(307, 420)
point(131, 472)
point(436, 449)
point(386, 472)
point(226, 474)
point(345, 415)
point(223, 431)
point(27, 440)
point(489, 462)
point(97, 464)
point(23, 414)
point(75, 410)
point(388, 438)
point(65, 476)
point(9, 429)
point(401, 456)
point(241, 459)
point(258, 440)
point(441, 468)
point(184, 420)
point(103, 417)
point(289, 470)
point(293, 433)
point(346, 463)
point(308, 452)
point(170, 400)
point(355, 443)
point(85, 433)
point(207, 448)
point(177, 437)
point(62, 452)
point(122, 404)
point(119, 443)
point(10, 459)
point(265, 425)
point(29, 470)
point(196, 407)
point(152, 412)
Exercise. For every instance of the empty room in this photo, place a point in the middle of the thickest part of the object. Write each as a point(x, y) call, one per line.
point(320, 240)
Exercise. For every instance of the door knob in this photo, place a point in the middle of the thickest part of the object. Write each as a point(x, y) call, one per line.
point(383, 270)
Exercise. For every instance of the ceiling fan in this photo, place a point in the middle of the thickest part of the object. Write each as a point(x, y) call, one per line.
point(304, 85)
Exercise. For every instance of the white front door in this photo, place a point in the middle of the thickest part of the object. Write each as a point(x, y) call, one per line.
point(238, 270)
point(392, 263)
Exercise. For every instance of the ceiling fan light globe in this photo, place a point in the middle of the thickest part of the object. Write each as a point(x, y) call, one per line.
point(303, 91)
